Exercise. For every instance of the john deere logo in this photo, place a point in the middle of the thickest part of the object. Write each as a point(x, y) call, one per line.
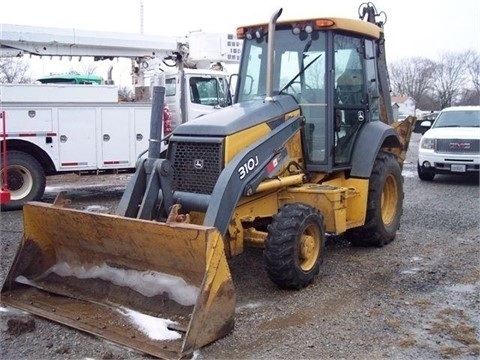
point(198, 164)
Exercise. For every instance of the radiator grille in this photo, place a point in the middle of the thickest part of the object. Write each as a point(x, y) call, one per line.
point(458, 146)
point(197, 166)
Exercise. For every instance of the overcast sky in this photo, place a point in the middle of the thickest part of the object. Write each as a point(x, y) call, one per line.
point(424, 28)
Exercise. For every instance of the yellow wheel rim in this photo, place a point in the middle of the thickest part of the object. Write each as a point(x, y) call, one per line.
point(389, 200)
point(309, 247)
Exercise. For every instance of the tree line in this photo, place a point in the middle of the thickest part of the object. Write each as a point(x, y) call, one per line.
point(453, 79)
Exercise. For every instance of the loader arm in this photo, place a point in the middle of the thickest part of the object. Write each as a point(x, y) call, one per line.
point(150, 194)
point(141, 197)
point(231, 185)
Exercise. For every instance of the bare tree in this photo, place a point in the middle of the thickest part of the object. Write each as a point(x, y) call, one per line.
point(86, 69)
point(413, 77)
point(450, 78)
point(474, 70)
point(453, 80)
point(89, 69)
point(125, 94)
point(14, 71)
point(472, 96)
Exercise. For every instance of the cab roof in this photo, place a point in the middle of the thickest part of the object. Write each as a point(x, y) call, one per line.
point(358, 26)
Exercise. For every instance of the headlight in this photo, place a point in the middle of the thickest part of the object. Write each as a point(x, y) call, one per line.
point(426, 143)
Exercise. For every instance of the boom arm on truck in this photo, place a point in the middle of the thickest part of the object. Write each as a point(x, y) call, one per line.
point(197, 50)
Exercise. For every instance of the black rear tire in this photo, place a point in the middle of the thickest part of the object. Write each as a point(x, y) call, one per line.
point(294, 246)
point(384, 205)
point(25, 178)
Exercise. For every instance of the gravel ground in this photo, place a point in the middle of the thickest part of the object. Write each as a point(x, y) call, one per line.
point(416, 298)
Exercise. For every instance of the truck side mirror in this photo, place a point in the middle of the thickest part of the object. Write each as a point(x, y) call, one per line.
point(426, 124)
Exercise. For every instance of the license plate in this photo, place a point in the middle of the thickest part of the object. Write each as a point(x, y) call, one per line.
point(458, 168)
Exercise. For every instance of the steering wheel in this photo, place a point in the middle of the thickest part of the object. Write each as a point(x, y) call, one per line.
point(293, 88)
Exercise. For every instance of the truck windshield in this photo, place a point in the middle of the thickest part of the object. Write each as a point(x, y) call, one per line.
point(204, 90)
point(467, 118)
point(299, 65)
point(208, 91)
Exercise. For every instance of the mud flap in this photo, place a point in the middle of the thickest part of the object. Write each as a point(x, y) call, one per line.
point(163, 289)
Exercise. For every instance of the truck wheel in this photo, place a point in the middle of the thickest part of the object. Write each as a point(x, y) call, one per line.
point(384, 205)
point(424, 174)
point(294, 246)
point(25, 179)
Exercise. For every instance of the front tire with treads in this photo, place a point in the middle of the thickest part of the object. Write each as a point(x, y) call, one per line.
point(294, 246)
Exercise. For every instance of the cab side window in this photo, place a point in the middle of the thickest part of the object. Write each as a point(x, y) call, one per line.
point(349, 95)
point(348, 71)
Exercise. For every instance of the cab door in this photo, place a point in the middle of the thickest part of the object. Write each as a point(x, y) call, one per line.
point(350, 100)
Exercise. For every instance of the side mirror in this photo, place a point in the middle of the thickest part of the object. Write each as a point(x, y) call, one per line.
point(424, 126)
point(426, 123)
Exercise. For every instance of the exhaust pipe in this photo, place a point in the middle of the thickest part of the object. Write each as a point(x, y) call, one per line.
point(271, 52)
point(109, 77)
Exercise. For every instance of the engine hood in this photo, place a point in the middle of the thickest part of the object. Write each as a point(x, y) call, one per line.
point(453, 133)
point(237, 117)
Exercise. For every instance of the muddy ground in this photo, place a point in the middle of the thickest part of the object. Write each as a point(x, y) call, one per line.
point(416, 298)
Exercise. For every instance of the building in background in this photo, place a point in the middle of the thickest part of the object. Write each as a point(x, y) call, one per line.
point(403, 106)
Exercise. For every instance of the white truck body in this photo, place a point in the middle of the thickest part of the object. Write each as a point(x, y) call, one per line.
point(83, 128)
point(75, 127)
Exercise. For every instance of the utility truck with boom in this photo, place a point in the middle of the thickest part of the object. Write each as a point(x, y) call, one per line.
point(309, 148)
point(64, 125)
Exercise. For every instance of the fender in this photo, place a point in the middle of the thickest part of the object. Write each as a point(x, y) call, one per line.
point(373, 136)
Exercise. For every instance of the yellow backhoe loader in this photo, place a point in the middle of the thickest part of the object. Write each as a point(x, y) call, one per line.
point(309, 148)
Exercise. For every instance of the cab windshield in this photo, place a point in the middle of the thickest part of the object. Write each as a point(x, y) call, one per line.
point(299, 65)
point(306, 65)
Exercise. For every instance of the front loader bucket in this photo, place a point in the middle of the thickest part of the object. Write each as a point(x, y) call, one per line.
point(161, 288)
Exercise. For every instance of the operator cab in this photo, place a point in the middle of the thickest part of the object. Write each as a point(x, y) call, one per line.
point(331, 74)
